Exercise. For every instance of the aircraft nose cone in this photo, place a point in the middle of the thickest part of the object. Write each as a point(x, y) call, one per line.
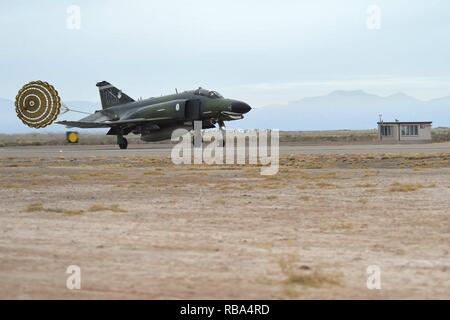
point(240, 107)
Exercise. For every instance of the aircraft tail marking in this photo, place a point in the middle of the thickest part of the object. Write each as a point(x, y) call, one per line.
point(110, 96)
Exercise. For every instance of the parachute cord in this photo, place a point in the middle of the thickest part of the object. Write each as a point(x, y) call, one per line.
point(67, 109)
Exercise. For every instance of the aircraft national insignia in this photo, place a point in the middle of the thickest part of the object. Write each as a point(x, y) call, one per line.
point(38, 104)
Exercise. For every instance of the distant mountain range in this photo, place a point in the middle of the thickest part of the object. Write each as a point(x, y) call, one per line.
point(337, 110)
point(347, 110)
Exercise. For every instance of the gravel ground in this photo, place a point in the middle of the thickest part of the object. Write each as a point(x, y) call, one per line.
point(141, 227)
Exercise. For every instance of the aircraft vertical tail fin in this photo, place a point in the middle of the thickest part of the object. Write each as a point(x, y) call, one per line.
point(110, 96)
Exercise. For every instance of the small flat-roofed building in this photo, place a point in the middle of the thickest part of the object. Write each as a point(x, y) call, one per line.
point(401, 131)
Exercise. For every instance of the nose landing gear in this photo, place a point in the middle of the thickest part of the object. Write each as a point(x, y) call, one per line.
point(221, 123)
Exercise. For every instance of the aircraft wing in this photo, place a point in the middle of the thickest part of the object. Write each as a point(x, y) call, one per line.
point(107, 123)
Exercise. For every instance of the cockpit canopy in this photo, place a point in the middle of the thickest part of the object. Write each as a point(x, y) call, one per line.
point(207, 93)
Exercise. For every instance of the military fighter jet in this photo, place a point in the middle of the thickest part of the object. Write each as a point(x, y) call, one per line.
point(156, 118)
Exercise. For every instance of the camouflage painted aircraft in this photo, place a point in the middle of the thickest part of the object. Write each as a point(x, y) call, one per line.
point(156, 118)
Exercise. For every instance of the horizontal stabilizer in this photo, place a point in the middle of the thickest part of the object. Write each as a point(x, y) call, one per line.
point(83, 124)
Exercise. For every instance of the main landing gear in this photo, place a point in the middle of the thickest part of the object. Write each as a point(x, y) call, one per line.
point(122, 142)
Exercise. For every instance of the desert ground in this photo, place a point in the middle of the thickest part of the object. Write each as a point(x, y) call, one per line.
point(141, 227)
point(327, 137)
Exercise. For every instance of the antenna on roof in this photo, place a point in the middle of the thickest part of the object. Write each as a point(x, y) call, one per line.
point(381, 117)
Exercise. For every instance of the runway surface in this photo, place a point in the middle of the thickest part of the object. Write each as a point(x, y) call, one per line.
point(165, 150)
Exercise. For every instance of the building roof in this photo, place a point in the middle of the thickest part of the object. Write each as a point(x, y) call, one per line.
point(406, 122)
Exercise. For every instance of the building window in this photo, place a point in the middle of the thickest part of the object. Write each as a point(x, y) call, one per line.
point(386, 131)
point(410, 130)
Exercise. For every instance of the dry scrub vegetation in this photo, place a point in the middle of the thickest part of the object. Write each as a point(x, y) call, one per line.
point(145, 228)
point(288, 137)
point(58, 139)
point(39, 207)
point(303, 275)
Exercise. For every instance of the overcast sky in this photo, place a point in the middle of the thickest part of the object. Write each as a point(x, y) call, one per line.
point(261, 51)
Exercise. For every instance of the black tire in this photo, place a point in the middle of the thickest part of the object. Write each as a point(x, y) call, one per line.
point(123, 144)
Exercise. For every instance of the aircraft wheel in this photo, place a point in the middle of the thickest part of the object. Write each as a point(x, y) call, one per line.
point(123, 144)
